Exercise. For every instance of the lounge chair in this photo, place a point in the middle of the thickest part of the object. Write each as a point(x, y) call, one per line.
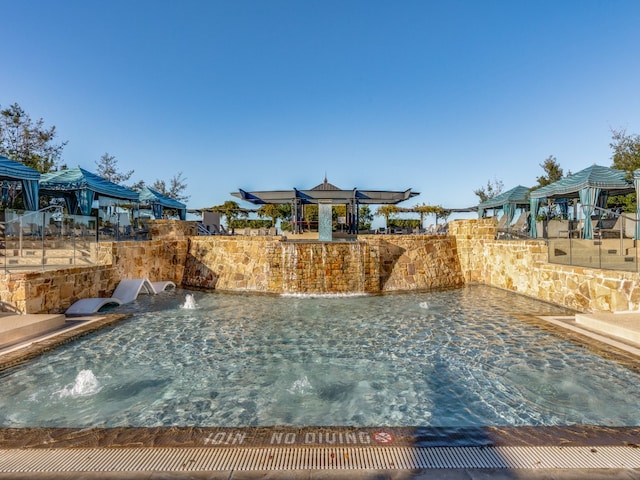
point(126, 292)
point(502, 223)
point(521, 225)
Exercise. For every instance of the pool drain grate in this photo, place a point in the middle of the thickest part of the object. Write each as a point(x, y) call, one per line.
point(304, 458)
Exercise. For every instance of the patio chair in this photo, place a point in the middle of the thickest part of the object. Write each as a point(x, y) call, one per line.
point(443, 229)
point(502, 223)
point(521, 225)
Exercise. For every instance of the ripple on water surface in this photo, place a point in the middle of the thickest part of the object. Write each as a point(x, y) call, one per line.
point(451, 358)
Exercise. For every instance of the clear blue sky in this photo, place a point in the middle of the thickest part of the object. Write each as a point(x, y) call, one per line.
point(437, 96)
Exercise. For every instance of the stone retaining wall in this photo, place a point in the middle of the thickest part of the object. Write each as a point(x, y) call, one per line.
point(521, 266)
point(416, 262)
point(375, 263)
point(384, 263)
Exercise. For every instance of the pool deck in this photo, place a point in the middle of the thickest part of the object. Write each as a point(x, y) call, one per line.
point(573, 452)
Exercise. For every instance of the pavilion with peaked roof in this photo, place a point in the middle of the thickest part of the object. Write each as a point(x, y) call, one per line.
point(326, 193)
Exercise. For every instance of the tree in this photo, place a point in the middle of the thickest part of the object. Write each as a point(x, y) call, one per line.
point(552, 170)
point(177, 185)
point(387, 211)
point(108, 169)
point(29, 143)
point(365, 217)
point(230, 210)
point(492, 189)
point(424, 209)
point(626, 156)
point(273, 211)
point(626, 150)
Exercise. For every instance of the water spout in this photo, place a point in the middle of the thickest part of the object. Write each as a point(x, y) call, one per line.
point(85, 384)
point(189, 303)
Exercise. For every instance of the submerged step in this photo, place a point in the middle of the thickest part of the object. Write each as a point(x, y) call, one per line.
point(621, 325)
point(14, 328)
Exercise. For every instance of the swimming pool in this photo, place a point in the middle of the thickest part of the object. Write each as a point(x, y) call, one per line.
point(453, 358)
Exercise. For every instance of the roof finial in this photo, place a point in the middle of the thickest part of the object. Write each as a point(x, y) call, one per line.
point(325, 178)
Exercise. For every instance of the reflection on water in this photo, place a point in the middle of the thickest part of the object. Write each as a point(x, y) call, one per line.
point(451, 358)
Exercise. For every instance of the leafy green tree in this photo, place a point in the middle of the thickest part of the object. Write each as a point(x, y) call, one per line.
point(626, 150)
point(309, 215)
point(28, 142)
point(387, 211)
point(553, 172)
point(492, 189)
point(230, 210)
point(424, 209)
point(271, 210)
point(365, 217)
point(626, 156)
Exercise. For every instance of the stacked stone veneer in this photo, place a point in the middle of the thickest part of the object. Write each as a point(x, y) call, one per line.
point(521, 266)
point(416, 262)
point(53, 291)
point(376, 263)
point(372, 264)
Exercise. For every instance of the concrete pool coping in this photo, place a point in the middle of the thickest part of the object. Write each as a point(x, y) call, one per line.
point(580, 451)
point(321, 452)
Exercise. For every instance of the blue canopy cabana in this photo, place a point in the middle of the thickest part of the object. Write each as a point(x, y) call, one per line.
point(159, 202)
point(588, 185)
point(15, 171)
point(517, 197)
point(80, 188)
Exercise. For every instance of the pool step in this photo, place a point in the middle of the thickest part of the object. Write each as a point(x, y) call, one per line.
point(15, 328)
point(625, 326)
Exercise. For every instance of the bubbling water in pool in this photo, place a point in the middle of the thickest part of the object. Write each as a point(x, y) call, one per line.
point(85, 384)
point(189, 303)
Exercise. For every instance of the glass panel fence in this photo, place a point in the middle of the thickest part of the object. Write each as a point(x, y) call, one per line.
point(613, 245)
point(48, 238)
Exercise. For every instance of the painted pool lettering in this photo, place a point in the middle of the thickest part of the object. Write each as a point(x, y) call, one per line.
point(224, 438)
point(317, 438)
point(307, 437)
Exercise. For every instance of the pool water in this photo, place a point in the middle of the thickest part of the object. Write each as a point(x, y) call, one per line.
point(450, 358)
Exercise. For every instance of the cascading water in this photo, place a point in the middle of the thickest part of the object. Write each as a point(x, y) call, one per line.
point(289, 267)
point(323, 268)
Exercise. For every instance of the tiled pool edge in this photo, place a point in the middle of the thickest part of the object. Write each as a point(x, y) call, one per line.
point(330, 436)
